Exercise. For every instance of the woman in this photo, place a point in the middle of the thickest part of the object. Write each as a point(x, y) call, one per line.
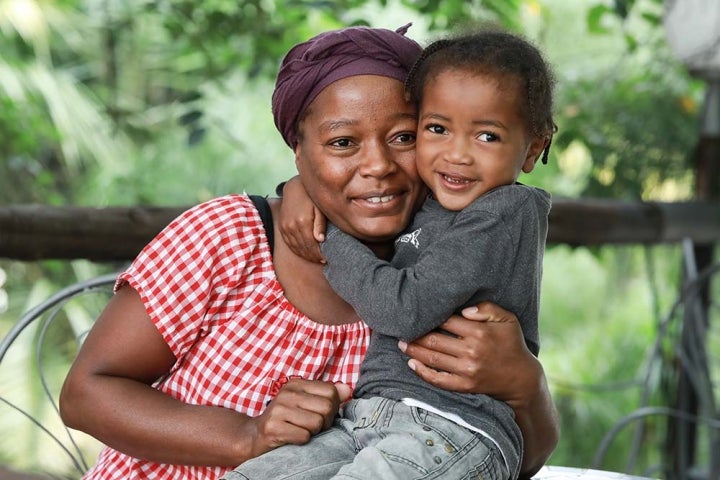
point(191, 368)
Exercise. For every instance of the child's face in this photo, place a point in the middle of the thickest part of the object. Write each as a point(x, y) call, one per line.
point(472, 137)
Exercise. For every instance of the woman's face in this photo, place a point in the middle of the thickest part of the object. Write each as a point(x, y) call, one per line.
point(356, 156)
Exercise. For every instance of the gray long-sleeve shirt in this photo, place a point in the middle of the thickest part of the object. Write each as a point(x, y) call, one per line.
point(491, 250)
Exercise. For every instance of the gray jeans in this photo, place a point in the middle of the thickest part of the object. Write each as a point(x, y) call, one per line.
point(377, 439)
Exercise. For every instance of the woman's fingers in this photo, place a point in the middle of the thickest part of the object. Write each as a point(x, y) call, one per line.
point(313, 400)
point(472, 354)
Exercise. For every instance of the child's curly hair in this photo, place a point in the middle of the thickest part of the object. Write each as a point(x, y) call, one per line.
point(493, 52)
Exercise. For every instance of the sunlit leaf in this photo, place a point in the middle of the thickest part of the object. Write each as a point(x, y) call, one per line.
point(595, 18)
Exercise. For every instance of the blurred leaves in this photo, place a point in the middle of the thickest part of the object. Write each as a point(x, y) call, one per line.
point(457, 14)
point(637, 138)
point(88, 85)
point(167, 102)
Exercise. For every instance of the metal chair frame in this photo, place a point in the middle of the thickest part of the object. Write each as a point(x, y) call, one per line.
point(691, 365)
point(47, 313)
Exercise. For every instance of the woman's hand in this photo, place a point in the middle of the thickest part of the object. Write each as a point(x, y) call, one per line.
point(486, 355)
point(489, 355)
point(301, 224)
point(301, 409)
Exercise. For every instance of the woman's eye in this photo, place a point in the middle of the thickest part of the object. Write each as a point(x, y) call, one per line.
point(341, 143)
point(487, 137)
point(405, 138)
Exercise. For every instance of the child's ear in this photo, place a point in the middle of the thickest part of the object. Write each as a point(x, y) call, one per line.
point(534, 151)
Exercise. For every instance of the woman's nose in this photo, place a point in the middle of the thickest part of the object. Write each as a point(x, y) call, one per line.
point(377, 161)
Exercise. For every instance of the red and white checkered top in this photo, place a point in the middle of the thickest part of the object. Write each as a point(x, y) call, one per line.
point(207, 282)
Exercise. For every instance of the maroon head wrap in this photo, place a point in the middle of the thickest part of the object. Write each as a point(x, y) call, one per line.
point(311, 66)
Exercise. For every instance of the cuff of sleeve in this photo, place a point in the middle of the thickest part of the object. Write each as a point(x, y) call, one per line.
point(331, 230)
point(332, 235)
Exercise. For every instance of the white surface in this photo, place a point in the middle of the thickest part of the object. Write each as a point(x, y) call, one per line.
point(550, 472)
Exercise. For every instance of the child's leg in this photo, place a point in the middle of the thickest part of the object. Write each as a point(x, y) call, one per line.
point(318, 459)
point(410, 443)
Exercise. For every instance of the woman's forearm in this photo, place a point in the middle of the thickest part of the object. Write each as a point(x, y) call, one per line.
point(142, 422)
point(538, 422)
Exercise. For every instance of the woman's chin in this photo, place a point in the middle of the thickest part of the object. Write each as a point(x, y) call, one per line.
point(379, 230)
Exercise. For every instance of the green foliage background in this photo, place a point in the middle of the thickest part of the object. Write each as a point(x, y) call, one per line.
point(166, 102)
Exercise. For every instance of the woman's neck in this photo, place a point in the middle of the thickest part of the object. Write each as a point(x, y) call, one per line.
point(305, 286)
point(382, 250)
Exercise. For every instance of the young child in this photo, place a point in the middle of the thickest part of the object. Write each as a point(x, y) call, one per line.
point(485, 115)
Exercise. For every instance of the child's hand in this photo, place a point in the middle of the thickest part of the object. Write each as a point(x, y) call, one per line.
point(301, 224)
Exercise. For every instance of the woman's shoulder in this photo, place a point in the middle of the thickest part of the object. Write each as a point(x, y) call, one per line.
point(231, 204)
point(220, 214)
point(217, 227)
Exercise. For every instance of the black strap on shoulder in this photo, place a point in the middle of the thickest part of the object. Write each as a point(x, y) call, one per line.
point(263, 208)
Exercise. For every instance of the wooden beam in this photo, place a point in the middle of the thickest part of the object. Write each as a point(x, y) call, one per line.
point(600, 222)
point(36, 232)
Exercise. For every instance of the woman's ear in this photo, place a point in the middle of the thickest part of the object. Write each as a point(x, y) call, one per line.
point(298, 153)
point(535, 149)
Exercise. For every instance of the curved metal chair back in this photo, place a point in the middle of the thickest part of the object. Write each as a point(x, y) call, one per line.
point(683, 370)
point(34, 358)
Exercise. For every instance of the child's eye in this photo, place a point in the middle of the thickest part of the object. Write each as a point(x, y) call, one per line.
point(437, 129)
point(488, 137)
